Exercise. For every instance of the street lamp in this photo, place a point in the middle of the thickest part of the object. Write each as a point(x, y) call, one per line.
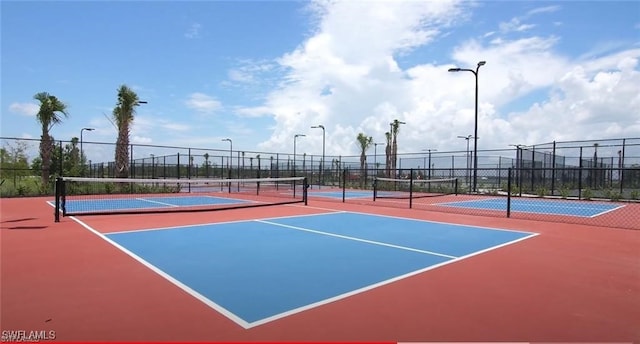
point(81, 151)
point(230, 154)
point(375, 155)
point(475, 133)
point(468, 176)
point(320, 126)
point(294, 151)
point(519, 148)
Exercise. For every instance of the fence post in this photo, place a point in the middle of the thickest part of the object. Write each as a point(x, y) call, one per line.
point(509, 192)
point(411, 186)
point(580, 176)
point(553, 169)
point(621, 163)
point(56, 213)
point(344, 184)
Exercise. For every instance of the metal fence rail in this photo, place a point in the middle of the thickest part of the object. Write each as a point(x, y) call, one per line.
point(590, 171)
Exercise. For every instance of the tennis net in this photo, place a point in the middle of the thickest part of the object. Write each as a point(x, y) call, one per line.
point(413, 188)
point(94, 196)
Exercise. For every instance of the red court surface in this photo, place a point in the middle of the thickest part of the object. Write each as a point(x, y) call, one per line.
point(570, 283)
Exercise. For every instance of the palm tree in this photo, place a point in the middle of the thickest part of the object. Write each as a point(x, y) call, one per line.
point(123, 115)
point(395, 129)
point(388, 154)
point(49, 114)
point(206, 163)
point(365, 143)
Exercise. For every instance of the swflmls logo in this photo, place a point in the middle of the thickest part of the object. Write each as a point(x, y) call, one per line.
point(24, 336)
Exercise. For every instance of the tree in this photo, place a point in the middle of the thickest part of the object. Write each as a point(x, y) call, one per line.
point(206, 164)
point(50, 113)
point(123, 115)
point(71, 158)
point(388, 154)
point(364, 142)
point(13, 160)
point(395, 129)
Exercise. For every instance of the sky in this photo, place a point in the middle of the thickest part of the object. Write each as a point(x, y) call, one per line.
point(260, 72)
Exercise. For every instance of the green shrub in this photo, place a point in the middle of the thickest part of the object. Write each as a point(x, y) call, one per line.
point(613, 195)
point(587, 194)
point(564, 192)
point(541, 191)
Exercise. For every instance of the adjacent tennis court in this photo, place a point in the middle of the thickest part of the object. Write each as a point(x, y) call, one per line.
point(539, 206)
point(117, 204)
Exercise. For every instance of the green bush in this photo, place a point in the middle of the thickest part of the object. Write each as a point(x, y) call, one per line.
point(541, 191)
point(613, 195)
point(587, 194)
point(564, 192)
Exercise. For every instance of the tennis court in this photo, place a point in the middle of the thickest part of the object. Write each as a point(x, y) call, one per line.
point(301, 269)
point(348, 194)
point(116, 204)
point(276, 267)
point(539, 206)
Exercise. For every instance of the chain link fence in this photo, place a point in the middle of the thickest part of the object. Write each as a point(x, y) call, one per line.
point(587, 172)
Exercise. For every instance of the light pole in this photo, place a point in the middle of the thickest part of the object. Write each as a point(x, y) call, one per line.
point(375, 155)
point(294, 151)
point(320, 126)
point(475, 131)
point(468, 174)
point(430, 150)
point(518, 163)
point(81, 151)
point(230, 154)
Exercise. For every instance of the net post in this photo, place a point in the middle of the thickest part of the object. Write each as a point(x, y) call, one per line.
point(375, 188)
point(305, 192)
point(455, 186)
point(56, 213)
point(509, 192)
point(344, 184)
point(63, 197)
point(410, 188)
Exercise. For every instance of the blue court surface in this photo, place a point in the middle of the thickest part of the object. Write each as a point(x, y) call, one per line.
point(258, 271)
point(539, 206)
point(105, 204)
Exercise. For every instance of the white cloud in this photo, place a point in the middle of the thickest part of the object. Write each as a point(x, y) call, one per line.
point(141, 139)
point(193, 31)
point(514, 25)
point(25, 109)
point(368, 88)
point(250, 72)
point(175, 126)
point(203, 103)
point(546, 9)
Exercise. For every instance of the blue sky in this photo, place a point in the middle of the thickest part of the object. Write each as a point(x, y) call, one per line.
point(260, 72)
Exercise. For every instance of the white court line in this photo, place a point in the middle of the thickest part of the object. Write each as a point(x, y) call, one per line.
point(413, 219)
point(168, 277)
point(357, 239)
point(246, 325)
point(606, 211)
point(217, 223)
point(379, 284)
point(156, 202)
